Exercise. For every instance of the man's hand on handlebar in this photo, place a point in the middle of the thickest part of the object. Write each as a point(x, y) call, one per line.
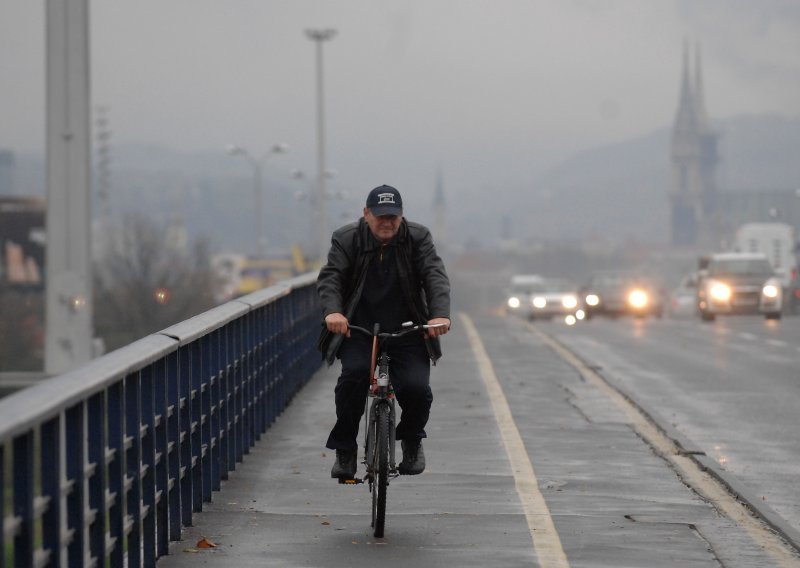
point(337, 323)
point(441, 330)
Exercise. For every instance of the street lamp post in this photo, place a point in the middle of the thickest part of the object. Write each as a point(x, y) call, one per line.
point(312, 198)
point(319, 36)
point(258, 188)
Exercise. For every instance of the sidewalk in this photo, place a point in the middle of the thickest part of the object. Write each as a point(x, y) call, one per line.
point(613, 501)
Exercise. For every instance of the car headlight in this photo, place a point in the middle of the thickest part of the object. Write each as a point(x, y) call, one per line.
point(592, 300)
point(719, 291)
point(513, 302)
point(771, 291)
point(569, 302)
point(637, 298)
point(539, 302)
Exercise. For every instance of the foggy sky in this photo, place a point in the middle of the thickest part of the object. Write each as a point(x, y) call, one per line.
point(491, 91)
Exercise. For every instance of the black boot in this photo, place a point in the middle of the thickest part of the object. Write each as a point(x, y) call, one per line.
point(345, 465)
point(413, 458)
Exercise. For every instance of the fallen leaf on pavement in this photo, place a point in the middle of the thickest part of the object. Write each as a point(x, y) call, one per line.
point(205, 543)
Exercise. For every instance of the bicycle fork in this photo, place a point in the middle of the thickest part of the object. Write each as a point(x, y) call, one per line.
point(371, 442)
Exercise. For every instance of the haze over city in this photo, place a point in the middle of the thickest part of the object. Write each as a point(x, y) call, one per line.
point(493, 94)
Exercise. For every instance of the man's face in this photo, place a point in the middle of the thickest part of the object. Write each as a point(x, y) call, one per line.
point(383, 227)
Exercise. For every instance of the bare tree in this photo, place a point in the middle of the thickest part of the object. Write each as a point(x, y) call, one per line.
point(21, 329)
point(149, 280)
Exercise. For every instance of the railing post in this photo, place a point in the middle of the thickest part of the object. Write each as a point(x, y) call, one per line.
point(187, 434)
point(133, 459)
point(247, 402)
point(217, 378)
point(50, 452)
point(196, 369)
point(267, 342)
point(116, 472)
point(160, 439)
point(97, 480)
point(207, 380)
point(23, 499)
point(76, 499)
point(225, 431)
point(148, 466)
point(173, 417)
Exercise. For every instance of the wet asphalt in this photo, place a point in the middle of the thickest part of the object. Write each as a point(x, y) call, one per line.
point(613, 501)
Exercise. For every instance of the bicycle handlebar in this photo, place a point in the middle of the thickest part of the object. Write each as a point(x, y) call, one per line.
point(399, 333)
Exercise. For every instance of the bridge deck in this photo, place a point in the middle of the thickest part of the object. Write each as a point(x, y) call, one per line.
point(612, 501)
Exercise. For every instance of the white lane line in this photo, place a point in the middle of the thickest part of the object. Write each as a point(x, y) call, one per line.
point(546, 541)
point(776, 342)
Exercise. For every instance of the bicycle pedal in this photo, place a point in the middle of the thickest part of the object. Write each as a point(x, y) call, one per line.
point(350, 481)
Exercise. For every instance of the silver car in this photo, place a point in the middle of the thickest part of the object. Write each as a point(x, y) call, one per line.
point(554, 297)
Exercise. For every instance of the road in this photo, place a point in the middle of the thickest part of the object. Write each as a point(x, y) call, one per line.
point(532, 461)
point(732, 387)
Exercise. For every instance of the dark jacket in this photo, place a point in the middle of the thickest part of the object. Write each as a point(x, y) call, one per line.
point(422, 275)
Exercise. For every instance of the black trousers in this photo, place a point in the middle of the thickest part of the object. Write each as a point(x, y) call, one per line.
point(410, 372)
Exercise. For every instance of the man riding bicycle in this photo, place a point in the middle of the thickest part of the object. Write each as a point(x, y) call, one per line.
point(382, 269)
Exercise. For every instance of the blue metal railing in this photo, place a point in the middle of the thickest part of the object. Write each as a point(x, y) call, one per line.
point(105, 464)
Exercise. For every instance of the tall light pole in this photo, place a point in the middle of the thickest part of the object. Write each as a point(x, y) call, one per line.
point(320, 36)
point(258, 188)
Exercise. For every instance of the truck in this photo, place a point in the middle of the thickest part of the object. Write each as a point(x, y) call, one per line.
point(779, 243)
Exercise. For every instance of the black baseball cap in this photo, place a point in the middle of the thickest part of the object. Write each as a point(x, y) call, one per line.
point(385, 200)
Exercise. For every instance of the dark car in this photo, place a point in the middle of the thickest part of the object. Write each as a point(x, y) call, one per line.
point(618, 293)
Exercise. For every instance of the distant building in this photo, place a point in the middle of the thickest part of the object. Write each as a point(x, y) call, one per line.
point(7, 165)
point(22, 240)
point(694, 159)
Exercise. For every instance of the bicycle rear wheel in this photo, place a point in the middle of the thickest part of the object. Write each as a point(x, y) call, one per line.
point(381, 485)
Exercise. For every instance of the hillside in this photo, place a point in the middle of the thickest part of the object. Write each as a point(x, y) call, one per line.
point(620, 191)
point(616, 192)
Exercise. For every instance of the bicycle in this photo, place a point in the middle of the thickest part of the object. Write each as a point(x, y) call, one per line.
point(379, 431)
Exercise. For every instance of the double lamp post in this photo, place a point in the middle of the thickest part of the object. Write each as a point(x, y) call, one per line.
point(258, 187)
point(319, 36)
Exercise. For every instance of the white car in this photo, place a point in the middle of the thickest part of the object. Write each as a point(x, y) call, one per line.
point(518, 297)
point(739, 283)
point(554, 297)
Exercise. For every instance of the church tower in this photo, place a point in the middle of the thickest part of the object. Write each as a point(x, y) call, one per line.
point(694, 160)
point(439, 218)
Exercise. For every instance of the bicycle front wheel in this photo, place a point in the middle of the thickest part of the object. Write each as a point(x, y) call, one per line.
point(381, 485)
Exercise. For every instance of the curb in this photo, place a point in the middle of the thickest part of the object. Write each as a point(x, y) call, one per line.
point(733, 484)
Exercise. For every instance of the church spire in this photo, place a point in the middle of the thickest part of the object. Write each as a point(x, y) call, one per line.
point(694, 157)
point(685, 119)
point(699, 97)
point(439, 229)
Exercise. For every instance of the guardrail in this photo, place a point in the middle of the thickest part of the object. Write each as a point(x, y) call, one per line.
point(104, 465)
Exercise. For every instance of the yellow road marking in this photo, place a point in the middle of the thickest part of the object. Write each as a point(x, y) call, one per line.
point(546, 542)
